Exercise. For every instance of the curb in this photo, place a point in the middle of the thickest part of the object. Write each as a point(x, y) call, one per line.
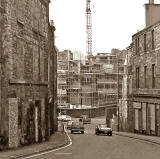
point(67, 141)
point(138, 138)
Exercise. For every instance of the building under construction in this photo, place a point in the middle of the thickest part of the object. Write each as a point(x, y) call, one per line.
point(93, 84)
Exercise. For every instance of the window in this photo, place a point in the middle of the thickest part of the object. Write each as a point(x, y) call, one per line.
point(145, 43)
point(100, 86)
point(137, 46)
point(137, 77)
point(107, 86)
point(153, 75)
point(145, 76)
point(152, 39)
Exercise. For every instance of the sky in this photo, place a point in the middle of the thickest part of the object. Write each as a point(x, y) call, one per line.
point(113, 23)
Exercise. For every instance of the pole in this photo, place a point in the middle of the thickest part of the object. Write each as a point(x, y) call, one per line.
point(117, 93)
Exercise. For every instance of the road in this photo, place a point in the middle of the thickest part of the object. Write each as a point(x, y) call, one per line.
point(90, 146)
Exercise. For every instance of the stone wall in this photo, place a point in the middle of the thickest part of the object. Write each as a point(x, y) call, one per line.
point(148, 57)
point(24, 44)
point(146, 98)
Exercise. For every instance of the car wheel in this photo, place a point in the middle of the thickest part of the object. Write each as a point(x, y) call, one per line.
point(111, 134)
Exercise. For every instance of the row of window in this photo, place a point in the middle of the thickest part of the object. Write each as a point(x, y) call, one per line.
point(137, 43)
point(145, 77)
point(108, 77)
point(101, 86)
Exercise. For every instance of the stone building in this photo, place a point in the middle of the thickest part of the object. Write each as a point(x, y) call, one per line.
point(146, 74)
point(52, 80)
point(125, 104)
point(27, 106)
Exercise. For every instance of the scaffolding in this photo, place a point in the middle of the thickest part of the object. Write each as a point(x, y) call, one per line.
point(90, 84)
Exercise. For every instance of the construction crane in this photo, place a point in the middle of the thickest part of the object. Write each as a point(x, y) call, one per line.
point(88, 29)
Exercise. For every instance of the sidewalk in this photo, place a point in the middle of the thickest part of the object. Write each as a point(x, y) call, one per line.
point(56, 140)
point(152, 139)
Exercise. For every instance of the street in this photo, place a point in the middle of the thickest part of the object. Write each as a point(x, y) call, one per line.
point(90, 146)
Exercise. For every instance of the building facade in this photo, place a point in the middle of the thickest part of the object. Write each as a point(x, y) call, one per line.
point(25, 115)
point(145, 74)
point(125, 104)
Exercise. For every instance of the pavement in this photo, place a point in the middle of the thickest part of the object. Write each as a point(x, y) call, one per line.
point(151, 139)
point(58, 139)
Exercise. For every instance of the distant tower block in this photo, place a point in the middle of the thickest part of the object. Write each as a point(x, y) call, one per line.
point(88, 29)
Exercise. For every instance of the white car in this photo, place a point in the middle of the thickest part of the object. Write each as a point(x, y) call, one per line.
point(64, 118)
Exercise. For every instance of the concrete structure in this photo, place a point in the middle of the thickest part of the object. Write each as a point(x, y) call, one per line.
point(91, 84)
point(27, 106)
point(109, 72)
point(68, 83)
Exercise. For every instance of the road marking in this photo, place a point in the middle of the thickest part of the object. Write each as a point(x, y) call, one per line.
point(63, 153)
point(43, 153)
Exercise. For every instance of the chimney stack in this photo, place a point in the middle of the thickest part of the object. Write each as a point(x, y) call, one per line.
point(51, 23)
point(152, 13)
point(151, 1)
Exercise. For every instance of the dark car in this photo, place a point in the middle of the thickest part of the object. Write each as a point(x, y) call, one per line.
point(77, 127)
point(85, 119)
point(103, 129)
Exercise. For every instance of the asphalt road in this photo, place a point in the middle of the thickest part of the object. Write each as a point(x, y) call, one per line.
point(90, 146)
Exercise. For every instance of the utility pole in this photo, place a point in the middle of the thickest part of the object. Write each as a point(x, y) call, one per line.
point(117, 93)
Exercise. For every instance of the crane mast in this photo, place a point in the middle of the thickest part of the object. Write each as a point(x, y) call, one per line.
point(88, 29)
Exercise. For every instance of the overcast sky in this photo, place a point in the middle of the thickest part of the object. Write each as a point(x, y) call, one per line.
point(113, 23)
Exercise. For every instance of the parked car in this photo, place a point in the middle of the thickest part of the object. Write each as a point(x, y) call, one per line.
point(64, 118)
point(77, 127)
point(69, 124)
point(85, 119)
point(103, 129)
